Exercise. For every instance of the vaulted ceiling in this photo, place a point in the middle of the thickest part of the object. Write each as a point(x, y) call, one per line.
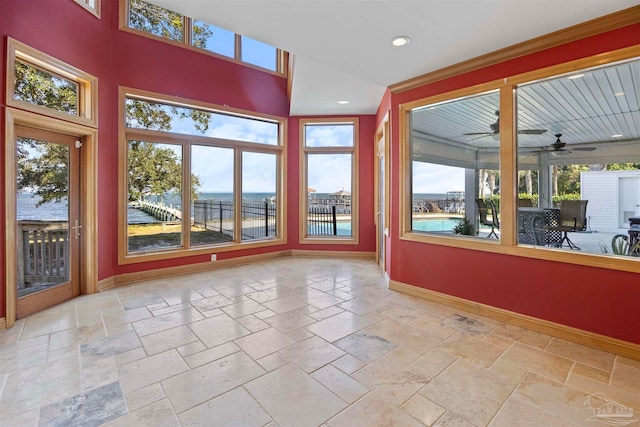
point(343, 50)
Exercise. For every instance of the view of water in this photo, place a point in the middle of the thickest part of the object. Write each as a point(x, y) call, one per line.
point(434, 224)
point(51, 211)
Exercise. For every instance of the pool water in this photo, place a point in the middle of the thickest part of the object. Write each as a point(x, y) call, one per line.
point(434, 224)
point(417, 224)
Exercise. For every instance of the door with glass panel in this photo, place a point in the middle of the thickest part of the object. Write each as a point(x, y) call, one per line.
point(47, 214)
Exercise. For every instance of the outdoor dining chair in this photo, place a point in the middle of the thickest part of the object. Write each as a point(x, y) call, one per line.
point(488, 216)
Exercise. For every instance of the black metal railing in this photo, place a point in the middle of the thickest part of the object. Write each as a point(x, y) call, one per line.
point(258, 218)
point(322, 221)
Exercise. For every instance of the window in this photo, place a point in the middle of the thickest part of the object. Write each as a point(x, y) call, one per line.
point(44, 85)
point(563, 141)
point(156, 20)
point(39, 87)
point(92, 6)
point(214, 39)
point(258, 53)
point(455, 170)
point(329, 190)
point(202, 36)
point(198, 179)
point(578, 141)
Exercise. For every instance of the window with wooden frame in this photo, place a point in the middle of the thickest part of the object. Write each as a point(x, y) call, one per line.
point(567, 151)
point(329, 186)
point(197, 178)
point(42, 84)
point(92, 6)
point(154, 21)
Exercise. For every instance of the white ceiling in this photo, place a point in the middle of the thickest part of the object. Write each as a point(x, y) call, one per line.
point(342, 48)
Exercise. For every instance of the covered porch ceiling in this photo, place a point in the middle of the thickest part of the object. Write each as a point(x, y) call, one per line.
point(597, 109)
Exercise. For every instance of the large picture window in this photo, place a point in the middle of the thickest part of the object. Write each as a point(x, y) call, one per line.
point(582, 176)
point(543, 165)
point(329, 153)
point(455, 170)
point(197, 179)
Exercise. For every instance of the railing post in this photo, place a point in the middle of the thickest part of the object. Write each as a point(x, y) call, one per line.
point(266, 219)
point(335, 221)
point(220, 204)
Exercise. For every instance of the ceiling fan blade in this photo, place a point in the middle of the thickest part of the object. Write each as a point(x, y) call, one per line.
point(478, 133)
point(583, 148)
point(532, 131)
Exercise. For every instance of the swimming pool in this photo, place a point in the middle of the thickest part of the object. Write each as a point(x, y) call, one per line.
point(417, 224)
point(434, 224)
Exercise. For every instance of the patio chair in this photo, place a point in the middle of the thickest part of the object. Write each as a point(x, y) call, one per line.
point(573, 217)
point(483, 212)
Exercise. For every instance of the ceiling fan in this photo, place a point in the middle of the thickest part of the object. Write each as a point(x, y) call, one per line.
point(558, 148)
point(495, 130)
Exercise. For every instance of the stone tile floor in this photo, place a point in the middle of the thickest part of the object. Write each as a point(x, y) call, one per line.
point(295, 342)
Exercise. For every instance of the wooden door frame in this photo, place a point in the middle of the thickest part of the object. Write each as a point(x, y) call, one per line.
point(381, 137)
point(88, 200)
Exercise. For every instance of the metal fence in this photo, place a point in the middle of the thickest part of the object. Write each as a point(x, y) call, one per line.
point(322, 221)
point(258, 218)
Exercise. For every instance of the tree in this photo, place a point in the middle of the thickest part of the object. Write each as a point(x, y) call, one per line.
point(39, 87)
point(152, 169)
point(43, 168)
point(165, 23)
point(155, 170)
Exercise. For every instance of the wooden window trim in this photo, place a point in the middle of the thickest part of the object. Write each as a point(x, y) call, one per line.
point(85, 5)
point(508, 150)
point(124, 134)
point(354, 239)
point(87, 84)
point(281, 56)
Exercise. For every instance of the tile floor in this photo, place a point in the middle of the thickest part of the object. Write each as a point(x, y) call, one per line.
point(295, 342)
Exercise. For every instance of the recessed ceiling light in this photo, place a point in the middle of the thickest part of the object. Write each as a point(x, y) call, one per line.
point(575, 76)
point(400, 41)
point(617, 135)
point(343, 102)
point(619, 93)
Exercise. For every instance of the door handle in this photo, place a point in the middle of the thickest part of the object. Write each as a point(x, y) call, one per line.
point(77, 228)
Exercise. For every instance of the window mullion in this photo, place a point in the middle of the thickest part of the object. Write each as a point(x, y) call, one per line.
point(186, 195)
point(237, 197)
point(238, 47)
point(187, 24)
point(508, 167)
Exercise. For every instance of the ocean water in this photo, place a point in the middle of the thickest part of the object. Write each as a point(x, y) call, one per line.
point(26, 209)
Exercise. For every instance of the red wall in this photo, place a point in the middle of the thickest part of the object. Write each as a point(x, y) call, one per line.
point(66, 31)
point(593, 299)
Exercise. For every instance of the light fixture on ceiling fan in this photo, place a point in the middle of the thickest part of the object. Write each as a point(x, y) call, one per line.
point(495, 130)
point(558, 148)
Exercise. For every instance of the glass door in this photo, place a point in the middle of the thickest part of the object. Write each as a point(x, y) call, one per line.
point(47, 213)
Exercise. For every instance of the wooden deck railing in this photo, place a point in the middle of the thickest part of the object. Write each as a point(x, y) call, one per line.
point(43, 252)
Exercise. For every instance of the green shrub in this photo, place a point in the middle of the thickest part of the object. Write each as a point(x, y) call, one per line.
point(464, 227)
point(568, 196)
